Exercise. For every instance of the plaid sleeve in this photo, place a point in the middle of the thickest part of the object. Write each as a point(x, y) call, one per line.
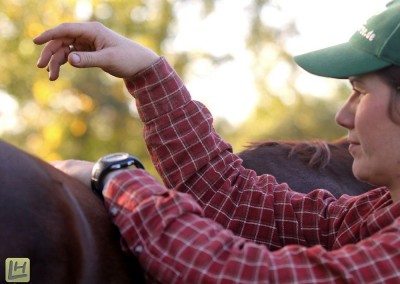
point(174, 243)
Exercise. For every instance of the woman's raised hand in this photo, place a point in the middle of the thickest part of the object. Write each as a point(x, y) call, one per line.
point(91, 44)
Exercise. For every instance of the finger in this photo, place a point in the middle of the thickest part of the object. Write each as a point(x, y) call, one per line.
point(65, 30)
point(56, 164)
point(61, 31)
point(59, 165)
point(51, 48)
point(57, 60)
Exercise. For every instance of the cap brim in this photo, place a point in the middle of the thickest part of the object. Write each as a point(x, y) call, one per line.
point(339, 61)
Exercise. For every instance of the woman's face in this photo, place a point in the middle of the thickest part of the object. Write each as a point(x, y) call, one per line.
point(374, 138)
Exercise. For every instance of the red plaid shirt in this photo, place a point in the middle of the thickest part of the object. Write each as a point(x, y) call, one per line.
point(221, 223)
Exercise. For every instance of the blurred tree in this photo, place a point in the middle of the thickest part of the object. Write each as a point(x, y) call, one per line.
point(287, 113)
point(86, 113)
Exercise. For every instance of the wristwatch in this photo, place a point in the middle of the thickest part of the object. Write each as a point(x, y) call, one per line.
point(108, 164)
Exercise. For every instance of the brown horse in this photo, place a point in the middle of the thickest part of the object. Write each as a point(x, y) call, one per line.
point(60, 225)
point(306, 165)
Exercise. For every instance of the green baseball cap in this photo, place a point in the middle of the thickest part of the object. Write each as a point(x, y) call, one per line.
point(374, 46)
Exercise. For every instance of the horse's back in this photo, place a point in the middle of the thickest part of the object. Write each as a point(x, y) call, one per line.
point(58, 224)
point(306, 166)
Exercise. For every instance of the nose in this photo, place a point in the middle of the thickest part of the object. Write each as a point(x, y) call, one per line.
point(345, 116)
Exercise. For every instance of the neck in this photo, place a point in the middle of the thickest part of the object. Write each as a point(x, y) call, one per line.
point(394, 192)
point(395, 195)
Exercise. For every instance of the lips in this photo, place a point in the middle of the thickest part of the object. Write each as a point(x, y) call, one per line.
point(353, 145)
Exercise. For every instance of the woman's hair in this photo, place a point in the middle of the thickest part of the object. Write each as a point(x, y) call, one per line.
point(391, 75)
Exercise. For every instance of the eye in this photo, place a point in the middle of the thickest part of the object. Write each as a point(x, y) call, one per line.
point(357, 92)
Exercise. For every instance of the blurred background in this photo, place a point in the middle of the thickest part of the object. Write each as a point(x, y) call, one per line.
point(235, 57)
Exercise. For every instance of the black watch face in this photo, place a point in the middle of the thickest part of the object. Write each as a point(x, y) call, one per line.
point(115, 157)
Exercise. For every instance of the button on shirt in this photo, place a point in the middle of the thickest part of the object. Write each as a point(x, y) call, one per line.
point(217, 222)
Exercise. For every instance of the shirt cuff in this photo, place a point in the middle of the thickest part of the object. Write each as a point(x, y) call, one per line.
point(157, 90)
point(130, 186)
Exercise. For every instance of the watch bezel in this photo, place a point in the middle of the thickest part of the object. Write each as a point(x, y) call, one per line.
point(109, 163)
point(115, 157)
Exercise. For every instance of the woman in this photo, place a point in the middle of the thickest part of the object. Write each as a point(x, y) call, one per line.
point(217, 222)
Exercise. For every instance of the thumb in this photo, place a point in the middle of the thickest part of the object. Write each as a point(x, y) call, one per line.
point(74, 59)
point(100, 59)
point(86, 59)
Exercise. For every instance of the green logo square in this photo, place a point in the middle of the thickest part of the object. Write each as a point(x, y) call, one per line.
point(18, 270)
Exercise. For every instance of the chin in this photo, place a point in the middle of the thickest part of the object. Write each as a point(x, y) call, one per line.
point(365, 176)
point(361, 175)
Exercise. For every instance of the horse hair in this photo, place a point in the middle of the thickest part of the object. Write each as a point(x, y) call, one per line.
point(315, 153)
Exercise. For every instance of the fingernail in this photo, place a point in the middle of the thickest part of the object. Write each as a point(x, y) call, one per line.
point(75, 58)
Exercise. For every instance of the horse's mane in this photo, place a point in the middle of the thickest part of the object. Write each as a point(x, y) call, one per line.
point(315, 153)
point(306, 165)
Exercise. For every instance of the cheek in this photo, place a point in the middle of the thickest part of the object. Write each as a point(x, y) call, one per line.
point(375, 133)
point(365, 125)
point(372, 118)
